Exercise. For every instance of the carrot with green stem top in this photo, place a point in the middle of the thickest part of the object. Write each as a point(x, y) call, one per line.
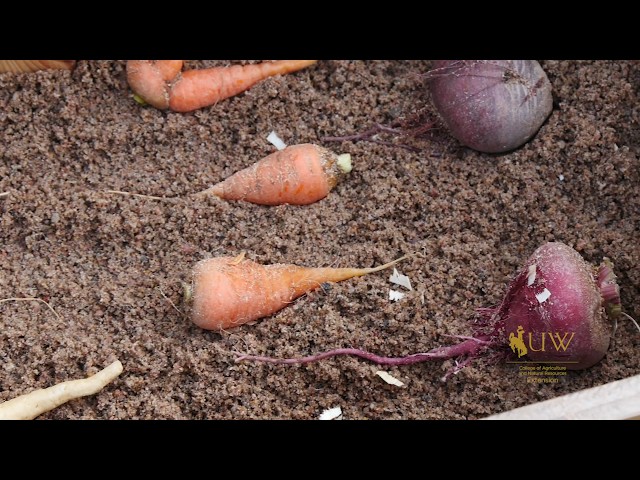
point(226, 292)
point(298, 175)
point(163, 84)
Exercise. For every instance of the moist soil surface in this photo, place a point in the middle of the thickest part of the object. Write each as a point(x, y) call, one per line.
point(111, 266)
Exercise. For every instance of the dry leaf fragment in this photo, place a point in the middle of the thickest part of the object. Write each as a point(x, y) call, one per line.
point(543, 296)
point(276, 141)
point(390, 379)
point(400, 279)
point(331, 414)
point(395, 295)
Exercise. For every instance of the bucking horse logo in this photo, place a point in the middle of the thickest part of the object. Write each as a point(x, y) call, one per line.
point(517, 343)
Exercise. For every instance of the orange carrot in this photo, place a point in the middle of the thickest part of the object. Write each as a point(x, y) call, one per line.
point(162, 84)
point(298, 175)
point(227, 292)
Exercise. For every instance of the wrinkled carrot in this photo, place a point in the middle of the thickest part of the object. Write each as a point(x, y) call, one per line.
point(226, 292)
point(298, 175)
point(162, 83)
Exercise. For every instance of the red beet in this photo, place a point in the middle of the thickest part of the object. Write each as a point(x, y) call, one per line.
point(556, 298)
point(556, 308)
point(491, 105)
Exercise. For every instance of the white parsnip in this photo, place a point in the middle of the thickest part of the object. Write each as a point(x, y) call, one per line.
point(30, 405)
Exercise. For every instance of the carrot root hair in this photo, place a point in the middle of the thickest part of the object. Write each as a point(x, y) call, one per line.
point(339, 274)
point(32, 299)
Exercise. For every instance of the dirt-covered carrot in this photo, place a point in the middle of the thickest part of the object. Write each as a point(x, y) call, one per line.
point(298, 175)
point(163, 84)
point(226, 292)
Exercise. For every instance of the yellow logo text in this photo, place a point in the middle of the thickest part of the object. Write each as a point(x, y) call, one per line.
point(559, 341)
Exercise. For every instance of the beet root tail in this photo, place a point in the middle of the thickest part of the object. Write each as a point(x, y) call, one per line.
point(471, 348)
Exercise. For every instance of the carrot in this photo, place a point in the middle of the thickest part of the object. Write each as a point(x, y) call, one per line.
point(162, 83)
point(226, 292)
point(19, 66)
point(298, 175)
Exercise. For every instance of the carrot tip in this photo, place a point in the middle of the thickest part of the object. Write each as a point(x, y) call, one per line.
point(217, 191)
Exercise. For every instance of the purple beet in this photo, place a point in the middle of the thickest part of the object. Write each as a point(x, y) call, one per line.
point(556, 310)
point(491, 105)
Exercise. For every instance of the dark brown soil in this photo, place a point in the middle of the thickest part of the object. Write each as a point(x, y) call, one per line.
point(103, 261)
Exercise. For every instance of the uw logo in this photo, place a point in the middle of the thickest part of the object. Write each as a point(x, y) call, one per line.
point(517, 343)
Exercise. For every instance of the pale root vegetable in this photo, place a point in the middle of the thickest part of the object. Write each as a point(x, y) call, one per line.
point(491, 105)
point(298, 175)
point(19, 66)
point(226, 292)
point(556, 310)
point(163, 84)
point(30, 405)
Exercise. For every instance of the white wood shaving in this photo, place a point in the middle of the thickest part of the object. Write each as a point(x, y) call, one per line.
point(395, 295)
point(276, 141)
point(400, 279)
point(391, 380)
point(532, 275)
point(331, 414)
point(543, 296)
